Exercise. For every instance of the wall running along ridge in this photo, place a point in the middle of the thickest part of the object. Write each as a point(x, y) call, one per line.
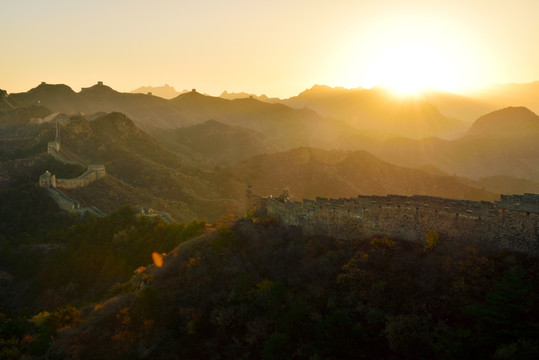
point(511, 224)
point(93, 173)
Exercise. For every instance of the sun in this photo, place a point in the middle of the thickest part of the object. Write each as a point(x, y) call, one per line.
point(410, 68)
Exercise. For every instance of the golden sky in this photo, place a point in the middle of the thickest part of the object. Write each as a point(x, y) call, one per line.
point(274, 47)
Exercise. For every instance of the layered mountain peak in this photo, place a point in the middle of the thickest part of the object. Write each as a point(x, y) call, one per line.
point(507, 122)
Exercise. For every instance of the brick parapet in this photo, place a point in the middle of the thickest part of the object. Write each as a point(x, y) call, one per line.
point(480, 224)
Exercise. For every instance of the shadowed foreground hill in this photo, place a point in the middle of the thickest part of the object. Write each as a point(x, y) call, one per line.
point(260, 291)
point(310, 172)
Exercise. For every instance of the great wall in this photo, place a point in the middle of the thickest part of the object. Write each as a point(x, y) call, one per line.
point(93, 173)
point(51, 184)
point(510, 224)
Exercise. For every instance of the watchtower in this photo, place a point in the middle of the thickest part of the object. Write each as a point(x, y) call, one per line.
point(47, 180)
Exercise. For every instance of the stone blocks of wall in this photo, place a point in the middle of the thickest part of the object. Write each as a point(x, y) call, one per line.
point(527, 202)
point(93, 173)
point(480, 224)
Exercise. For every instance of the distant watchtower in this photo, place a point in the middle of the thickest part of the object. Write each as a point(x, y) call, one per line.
point(194, 90)
point(100, 83)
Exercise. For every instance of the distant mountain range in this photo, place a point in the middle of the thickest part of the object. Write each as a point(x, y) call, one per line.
point(379, 111)
point(243, 95)
point(193, 155)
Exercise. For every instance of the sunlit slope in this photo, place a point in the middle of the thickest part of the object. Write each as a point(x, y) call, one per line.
point(309, 172)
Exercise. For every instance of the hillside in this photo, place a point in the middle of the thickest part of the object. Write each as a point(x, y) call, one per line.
point(134, 157)
point(109, 193)
point(223, 143)
point(471, 157)
point(507, 122)
point(309, 172)
point(257, 290)
point(283, 126)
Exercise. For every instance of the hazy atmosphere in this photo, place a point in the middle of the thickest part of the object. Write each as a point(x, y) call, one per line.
point(274, 180)
point(274, 47)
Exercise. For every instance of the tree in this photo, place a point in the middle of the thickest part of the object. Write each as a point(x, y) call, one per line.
point(431, 240)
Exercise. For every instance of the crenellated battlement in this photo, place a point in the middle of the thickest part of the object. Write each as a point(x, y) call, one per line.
point(481, 224)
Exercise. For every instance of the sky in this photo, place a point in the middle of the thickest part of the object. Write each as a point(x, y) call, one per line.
point(278, 48)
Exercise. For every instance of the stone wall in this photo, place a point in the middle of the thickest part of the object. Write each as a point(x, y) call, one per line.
point(53, 149)
point(527, 202)
point(93, 172)
point(481, 224)
point(65, 203)
point(91, 175)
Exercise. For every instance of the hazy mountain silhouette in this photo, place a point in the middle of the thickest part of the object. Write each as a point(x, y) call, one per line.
point(57, 97)
point(166, 91)
point(458, 106)
point(379, 110)
point(508, 122)
point(145, 109)
point(285, 127)
point(243, 95)
point(470, 156)
point(509, 185)
point(490, 98)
